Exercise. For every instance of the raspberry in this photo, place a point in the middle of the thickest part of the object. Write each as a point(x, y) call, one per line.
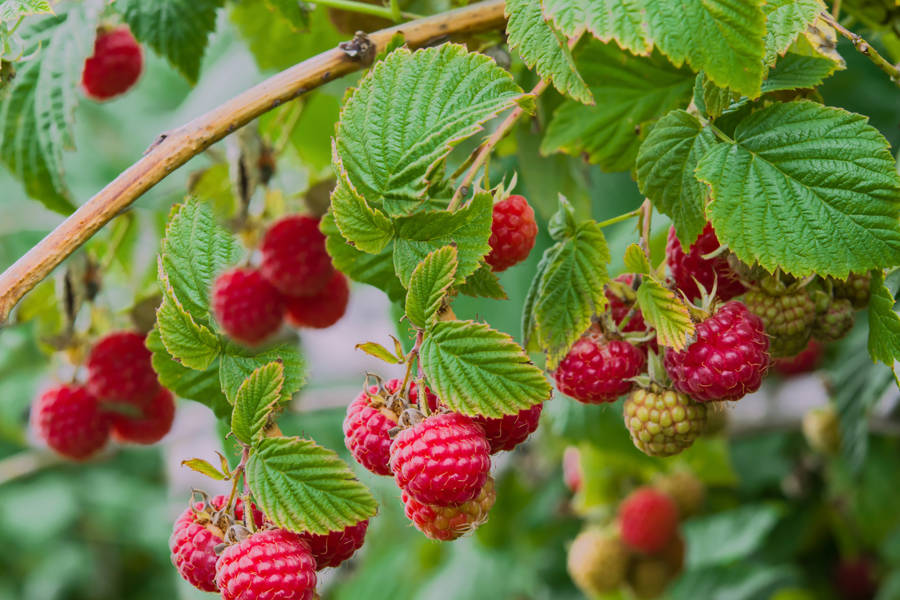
point(194, 538)
point(663, 422)
point(649, 576)
point(822, 430)
point(154, 422)
point(572, 469)
point(446, 523)
point(787, 316)
point(443, 460)
point(855, 579)
point(596, 371)
point(366, 428)
point(513, 232)
point(834, 323)
point(508, 431)
point(728, 359)
point(856, 289)
point(248, 308)
point(686, 268)
point(119, 369)
point(68, 418)
point(294, 259)
point(324, 308)
point(597, 562)
point(115, 65)
point(685, 489)
point(331, 549)
point(804, 362)
point(267, 565)
point(648, 520)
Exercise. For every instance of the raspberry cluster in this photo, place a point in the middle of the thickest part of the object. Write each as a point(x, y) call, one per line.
point(295, 282)
point(121, 398)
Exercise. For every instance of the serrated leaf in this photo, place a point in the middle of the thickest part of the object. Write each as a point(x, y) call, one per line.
point(544, 49)
point(563, 225)
point(177, 29)
point(204, 468)
point(303, 487)
point(666, 313)
point(636, 261)
point(665, 171)
point(711, 99)
point(796, 72)
point(631, 93)
point(379, 352)
point(806, 188)
point(622, 21)
point(884, 323)
point(428, 285)
point(785, 20)
point(477, 370)
point(483, 283)
point(189, 342)
point(238, 362)
point(409, 112)
point(365, 227)
point(255, 400)
point(10, 10)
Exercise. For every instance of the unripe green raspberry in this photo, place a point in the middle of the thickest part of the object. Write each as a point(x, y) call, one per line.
point(686, 489)
point(855, 289)
point(822, 430)
point(834, 323)
point(664, 422)
point(597, 562)
point(787, 317)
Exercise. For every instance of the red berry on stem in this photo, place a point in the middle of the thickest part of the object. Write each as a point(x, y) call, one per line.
point(508, 431)
point(331, 549)
point(448, 523)
point(648, 520)
point(294, 258)
point(119, 369)
point(806, 362)
point(268, 565)
point(691, 266)
point(596, 371)
point(247, 307)
point(513, 232)
point(728, 359)
point(366, 430)
point(68, 418)
point(443, 460)
point(323, 309)
point(154, 422)
point(115, 65)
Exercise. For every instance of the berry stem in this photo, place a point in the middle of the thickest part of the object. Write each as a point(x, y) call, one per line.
point(413, 356)
point(646, 210)
point(864, 47)
point(620, 218)
point(370, 9)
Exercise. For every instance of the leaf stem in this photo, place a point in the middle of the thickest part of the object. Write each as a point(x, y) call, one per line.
point(836, 8)
point(370, 9)
point(620, 218)
point(396, 14)
point(864, 47)
point(646, 211)
point(719, 133)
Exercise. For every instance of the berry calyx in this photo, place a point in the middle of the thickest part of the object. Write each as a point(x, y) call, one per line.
point(508, 431)
point(691, 268)
point(322, 309)
point(447, 523)
point(835, 322)
point(69, 419)
point(597, 562)
point(596, 370)
point(442, 460)
point(648, 520)
point(806, 361)
point(294, 259)
point(727, 360)
point(151, 424)
point(331, 549)
point(663, 422)
point(786, 313)
point(856, 289)
point(119, 369)
point(115, 65)
point(513, 231)
point(247, 307)
point(268, 564)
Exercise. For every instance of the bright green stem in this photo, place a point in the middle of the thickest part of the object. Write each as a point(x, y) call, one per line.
point(620, 218)
point(392, 14)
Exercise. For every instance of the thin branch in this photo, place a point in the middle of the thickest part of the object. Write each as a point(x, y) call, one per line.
point(376, 10)
point(175, 148)
point(864, 47)
point(836, 9)
point(25, 463)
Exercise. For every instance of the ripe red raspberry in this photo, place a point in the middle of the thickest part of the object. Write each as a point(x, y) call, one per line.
point(596, 371)
point(154, 422)
point(443, 460)
point(115, 65)
point(366, 428)
point(247, 307)
point(294, 259)
point(508, 431)
point(448, 523)
point(323, 309)
point(686, 268)
point(69, 419)
point(648, 520)
point(513, 232)
point(119, 369)
point(806, 361)
point(195, 537)
point(331, 549)
point(727, 360)
point(268, 565)
point(571, 465)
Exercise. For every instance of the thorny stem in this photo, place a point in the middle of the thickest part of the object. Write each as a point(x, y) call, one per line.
point(864, 47)
point(369, 9)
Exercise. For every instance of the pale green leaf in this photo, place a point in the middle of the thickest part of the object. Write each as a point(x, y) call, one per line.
point(409, 112)
point(379, 352)
point(785, 20)
point(294, 11)
point(204, 468)
point(255, 400)
point(483, 283)
point(239, 362)
point(303, 487)
point(622, 21)
point(665, 171)
point(428, 285)
point(190, 343)
point(807, 188)
point(544, 49)
point(631, 92)
point(365, 227)
point(666, 313)
point(796, 72)
point(884, 324)
point(10, 10)
point(477, 370)
point(636, 261)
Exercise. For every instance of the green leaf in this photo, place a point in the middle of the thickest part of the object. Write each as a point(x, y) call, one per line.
point(255, 400)
point(204, 468)
point(728, 536)
point(11, 10)
point(379, 352)
point(806, 188)
point(622, 21)
point(189, 342)
point(365, 227)
point(711, 99)
point(428, 285)
point(483, 283)
point(636, 261)
point(293, 10)
point(666, 313)
point(477, 370)
point(665, 171)
point(632, 92)
point(884, 323)
point(409, 112)
point(544, 49)
point(785, 20)
point(303, 487)
point(239, 362)
point(796, 72)
point(177, 29)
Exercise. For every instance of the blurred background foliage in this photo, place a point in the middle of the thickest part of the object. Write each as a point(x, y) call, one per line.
point(779, 514)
